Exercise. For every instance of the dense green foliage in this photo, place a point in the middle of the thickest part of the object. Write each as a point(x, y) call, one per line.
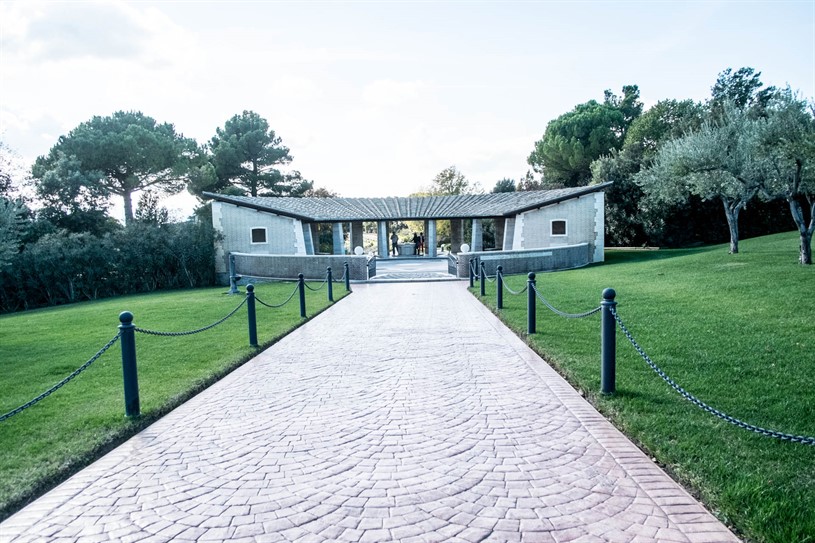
point(120, 155)
point(727, 334)
point(53, 439)
point(574, 140)
point(63, 267)
point(246, 154)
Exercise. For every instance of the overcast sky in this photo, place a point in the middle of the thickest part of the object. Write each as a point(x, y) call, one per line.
point(376, 98)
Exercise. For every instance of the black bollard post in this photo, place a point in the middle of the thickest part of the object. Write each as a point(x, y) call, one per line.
point(608, 343)
point(250, 306)
point(129, 373)
point(499, 288)
point(531, 320)
point(472, 275)
point(483, 279)
point(347, 278)
point(330, 280)
point(301, 282)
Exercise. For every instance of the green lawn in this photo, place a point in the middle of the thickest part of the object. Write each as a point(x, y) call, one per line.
point(737, 331)
point(53, 439)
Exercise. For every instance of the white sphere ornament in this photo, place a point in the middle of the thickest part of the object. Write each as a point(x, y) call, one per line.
point(358, 250)
point(465, 248)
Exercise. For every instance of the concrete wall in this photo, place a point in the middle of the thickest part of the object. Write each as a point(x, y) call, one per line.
point(534, 260)
point(287, 267)
point(584, 218)
point(284, 235)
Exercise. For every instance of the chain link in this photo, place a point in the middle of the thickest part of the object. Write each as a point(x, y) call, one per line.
point(190, 332)
point(561, 313)
point(62, 383)
point(516, 293)
point(261, 302)
point(321, 285)
point(699, 403)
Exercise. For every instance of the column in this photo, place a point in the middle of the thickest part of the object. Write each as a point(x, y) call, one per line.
point(430, 238)
point(509, 234)
point(309, 243)
point(382, 239)
point(356, 235)
point(456, 233)
point(315, 237)
point(337, 237)
point(499, 232)
point(477, 244)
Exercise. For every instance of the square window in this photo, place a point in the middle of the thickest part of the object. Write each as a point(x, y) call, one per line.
point(559, 228)
point(258, 235)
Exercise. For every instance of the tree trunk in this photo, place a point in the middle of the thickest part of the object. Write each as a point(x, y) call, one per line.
point(805, 231)
point(731, 211)
point(126, 195)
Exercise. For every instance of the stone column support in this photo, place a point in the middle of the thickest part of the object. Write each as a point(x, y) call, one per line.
point(456, 235)
point(477, 244)
point(382, 240)
point(499, 223)
point(356, 236)
point(430, 238)
point(339, 248)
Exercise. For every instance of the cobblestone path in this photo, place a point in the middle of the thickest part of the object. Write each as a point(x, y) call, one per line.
point(408, 413)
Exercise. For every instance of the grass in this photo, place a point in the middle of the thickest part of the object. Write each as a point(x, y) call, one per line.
point(737, 331)
point(46, 443)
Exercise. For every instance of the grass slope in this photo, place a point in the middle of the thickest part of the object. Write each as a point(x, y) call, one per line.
point(737, 331)
point(53, 439)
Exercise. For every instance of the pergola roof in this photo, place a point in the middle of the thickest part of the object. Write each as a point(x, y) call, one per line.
point(464, 206)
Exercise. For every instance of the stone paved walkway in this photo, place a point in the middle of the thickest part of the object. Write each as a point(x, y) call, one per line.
point(405, 413)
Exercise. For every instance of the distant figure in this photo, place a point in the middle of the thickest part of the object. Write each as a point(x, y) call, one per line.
point(416, 243)
point(395, 243)
point(421, 243)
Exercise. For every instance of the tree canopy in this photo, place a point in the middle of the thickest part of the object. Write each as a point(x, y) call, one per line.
point(120, 154)
point(451, 181)
point(246, 154)
point(574, 140)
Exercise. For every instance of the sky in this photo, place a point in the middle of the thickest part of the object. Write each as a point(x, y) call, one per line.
point(375, 98)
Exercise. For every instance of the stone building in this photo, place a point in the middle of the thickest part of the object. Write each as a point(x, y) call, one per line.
point(549, 229)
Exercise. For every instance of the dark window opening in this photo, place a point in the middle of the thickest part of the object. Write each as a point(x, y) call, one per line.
point(258, 235)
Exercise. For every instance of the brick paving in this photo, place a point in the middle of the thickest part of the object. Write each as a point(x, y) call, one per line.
point(407, 412)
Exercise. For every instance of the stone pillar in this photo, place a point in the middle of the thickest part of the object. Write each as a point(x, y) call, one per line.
point(315, 237)
point(430, 238)
point(309, 243)
point(509, 234)
point(477, 244)
point(382, 241)
point(499, 232)
point(339, 246)
point(456, 234)
point(356, 236)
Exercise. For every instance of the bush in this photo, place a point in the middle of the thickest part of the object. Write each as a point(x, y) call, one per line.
point(64, 267)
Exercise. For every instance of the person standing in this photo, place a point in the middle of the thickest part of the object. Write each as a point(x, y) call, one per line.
point(395, 243)
point(415, 243)
point(421, 243)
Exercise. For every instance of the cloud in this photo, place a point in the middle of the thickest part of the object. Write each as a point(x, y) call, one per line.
point(104, 30)
point(390, 93)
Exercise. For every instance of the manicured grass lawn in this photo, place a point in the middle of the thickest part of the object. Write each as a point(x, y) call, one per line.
point(737, 331)
point(47, 442)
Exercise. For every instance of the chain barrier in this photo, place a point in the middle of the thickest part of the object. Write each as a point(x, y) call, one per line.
point(561, 313)
point(699, 403)
point(272, 306)
point(515, 292)
point(321, 285)
point(62, 383)
point(190, 332)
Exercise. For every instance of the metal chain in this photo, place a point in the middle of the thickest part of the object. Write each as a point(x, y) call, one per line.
point(490, 280)
point(693, 399)
point(516, 293)
point(561, 313)
point(341, 279)
point(320, 287)
point(261, 302)
point(62, 383)
point(190, 332)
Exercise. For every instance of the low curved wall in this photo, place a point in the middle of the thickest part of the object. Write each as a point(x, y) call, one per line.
point(532, 260)
point(289, 266)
